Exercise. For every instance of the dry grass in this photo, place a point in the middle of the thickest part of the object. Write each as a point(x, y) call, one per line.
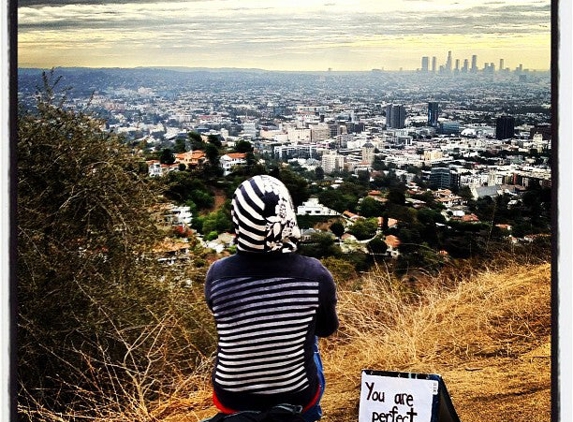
point(487, 333)
point(488, 336)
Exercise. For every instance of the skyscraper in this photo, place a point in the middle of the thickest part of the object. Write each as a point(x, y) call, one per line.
point(433, 114)
point(474, 67)
point(449, 62)
point(395, 116)
point(425, 63)
point(465, 68)
point(389, 115)
point(434, 64)
point(505, 127)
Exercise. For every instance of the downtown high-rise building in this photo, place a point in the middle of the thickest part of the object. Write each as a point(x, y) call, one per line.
point(455, 66)
point(465, 67)
point(425, 64)
point(449, 62)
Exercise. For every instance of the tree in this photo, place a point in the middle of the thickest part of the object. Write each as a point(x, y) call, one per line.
point(345, 197)
point(214, 140)
point(337, 228)
point(86, 289)
point(296, 185)
point(321, 245)
point(428, 198)
point(377, 246)
point(167, 156)
point(396, 197)
point(466, 193)
point(243, 146)
point(319, 173)
point(180, 146)
point(196, 141)
point(370, 207)
point(485, 208)
point(212, 154)
point(218, 221)
point(181, 187)
point(364, 228)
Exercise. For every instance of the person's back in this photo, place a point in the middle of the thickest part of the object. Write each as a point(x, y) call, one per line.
point(269, 305)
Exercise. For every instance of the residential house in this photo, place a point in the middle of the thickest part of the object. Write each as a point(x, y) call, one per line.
point(222, 242)
point(392, 222)
point(178, 215)
point(232, 160)
point(313, 207)
point(393, 243)
point(470, 218)
point(170, 251)
point(191, 159)
point(349, 215)
point(447, 198)
point(155, 168)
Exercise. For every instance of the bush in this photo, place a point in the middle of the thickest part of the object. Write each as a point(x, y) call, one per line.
point(96, 313)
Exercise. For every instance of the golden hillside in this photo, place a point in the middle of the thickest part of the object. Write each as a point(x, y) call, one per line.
point(487, 334)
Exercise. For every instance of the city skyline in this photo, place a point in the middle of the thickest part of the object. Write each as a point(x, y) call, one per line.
point(342, 35)
point(464, 65)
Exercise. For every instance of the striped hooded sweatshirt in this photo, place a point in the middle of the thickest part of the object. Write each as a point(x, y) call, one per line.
point(269, 303)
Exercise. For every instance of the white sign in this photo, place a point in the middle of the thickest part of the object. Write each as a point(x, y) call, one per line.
point(385, 398)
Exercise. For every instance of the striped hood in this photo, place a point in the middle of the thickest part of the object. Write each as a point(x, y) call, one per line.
point(264, 217)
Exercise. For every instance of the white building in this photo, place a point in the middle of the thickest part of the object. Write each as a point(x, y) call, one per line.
point(231, 160)
point(179, 215)
point(154, 169)
point(250, 129)
point(331, 161)
point(297, 135)
point(313, 207)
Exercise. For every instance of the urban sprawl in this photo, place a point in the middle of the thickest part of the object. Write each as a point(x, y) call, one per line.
point(454, 126)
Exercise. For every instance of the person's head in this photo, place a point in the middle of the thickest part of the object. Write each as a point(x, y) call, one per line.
point(264, 217)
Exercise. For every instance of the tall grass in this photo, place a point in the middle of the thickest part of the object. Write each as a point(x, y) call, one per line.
point(455, 323)
point(449, 321)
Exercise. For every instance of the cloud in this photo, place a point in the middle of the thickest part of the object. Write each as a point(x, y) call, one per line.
point(493, 17)
point(221, 28)
point(57, 3)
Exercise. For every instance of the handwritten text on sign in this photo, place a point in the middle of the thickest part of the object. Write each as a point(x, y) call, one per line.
point(396, 399)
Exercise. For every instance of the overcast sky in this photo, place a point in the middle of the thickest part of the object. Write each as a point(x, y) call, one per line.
point(282, 34)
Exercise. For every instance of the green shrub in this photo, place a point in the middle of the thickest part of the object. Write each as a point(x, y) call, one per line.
point(97, 314)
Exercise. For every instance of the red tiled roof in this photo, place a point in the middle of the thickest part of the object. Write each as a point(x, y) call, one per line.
point(236, 154)
point(392, 241)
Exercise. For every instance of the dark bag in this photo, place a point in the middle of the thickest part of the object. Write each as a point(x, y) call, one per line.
point(278, 413)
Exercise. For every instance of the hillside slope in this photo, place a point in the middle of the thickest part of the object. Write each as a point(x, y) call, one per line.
point(488, 336)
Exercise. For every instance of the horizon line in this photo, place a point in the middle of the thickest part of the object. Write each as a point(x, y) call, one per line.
point(329, 70)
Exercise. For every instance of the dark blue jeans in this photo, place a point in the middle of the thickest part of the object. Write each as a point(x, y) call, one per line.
point(315, 412)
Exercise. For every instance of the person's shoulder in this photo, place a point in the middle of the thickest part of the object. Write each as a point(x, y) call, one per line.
point(299, 258)
point(310, 262)
point(220, 264)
